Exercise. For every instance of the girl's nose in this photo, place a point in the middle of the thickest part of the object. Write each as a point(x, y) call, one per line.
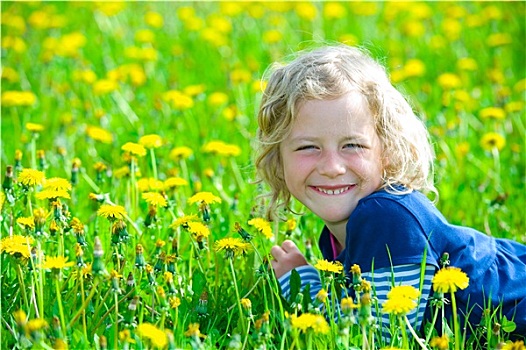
point(331, 165)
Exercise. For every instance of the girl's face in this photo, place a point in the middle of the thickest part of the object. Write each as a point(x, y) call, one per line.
point(333, 157)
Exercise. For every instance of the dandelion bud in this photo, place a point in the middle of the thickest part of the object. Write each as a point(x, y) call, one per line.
point(20, 317)
point(41, 158)
point(347, 305)
point(57, 330)
point(7, 185)
point(53, 228)
point(202, 306)
point(364, 312)
point(496, 328)
point(322, 295)
point(444, 260)
point(18, 160)
point(75, 167)
point(140, 262)
point(175, 249)
point(204, 208)
point(159, 264)
point(130, 283)
point(115, 276)
point(103, 342)
point(149, 273)
point(98, 264)
point(170, 262)
point(244, 234)
point(246, 304)
point(356, 276)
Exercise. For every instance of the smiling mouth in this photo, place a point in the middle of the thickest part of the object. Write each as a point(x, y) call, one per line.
point(333, 191)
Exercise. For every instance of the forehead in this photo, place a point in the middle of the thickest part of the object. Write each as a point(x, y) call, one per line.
point(348, 112)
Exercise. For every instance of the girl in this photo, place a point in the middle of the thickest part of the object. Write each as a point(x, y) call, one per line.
point(337, 136)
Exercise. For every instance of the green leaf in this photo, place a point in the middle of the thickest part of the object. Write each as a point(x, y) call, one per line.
point(295, 284)
point(507, 325)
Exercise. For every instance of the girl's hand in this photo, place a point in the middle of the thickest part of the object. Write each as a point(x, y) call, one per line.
point(286, 258)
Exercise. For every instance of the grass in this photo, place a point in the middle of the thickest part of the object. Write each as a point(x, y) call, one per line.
point(190, 74)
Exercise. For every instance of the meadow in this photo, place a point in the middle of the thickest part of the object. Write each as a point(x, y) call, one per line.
point(129, 214)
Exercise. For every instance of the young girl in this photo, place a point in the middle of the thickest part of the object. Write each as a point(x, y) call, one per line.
point(337, 136)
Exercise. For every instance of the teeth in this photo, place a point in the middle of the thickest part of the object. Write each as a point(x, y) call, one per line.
point(338, 191)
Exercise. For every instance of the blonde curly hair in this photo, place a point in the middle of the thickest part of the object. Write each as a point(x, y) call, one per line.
point(328, 73)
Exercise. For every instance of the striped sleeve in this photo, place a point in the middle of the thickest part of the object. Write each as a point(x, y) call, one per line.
point(308, 275)
point(382, 280)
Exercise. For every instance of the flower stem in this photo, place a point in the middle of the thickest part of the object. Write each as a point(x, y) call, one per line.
point(154, 163)
point(116, 323)
point(238, 299)
point(59, 301)
point(455, 321)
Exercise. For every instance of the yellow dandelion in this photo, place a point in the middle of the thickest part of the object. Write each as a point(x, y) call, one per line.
point(112, 212)
point(178, 99)
point(174, 302)
point(26, 222)
point(492, 113)
point(217, 99)
point(449, 81)
point(329, 266)
point(56, 263)
point(204, 197)
point(31, 177)
point(398, 305)
point(348, 304)
point(34, 127)
point(181, 152)
point(221, 148)
point(154, 19)
point(441, 343)
point(156, 336)
point(232, 246)
point(262, 226)
point(403, 292)
point(35, 325)
point(57, 183)
point(198, 230)
point(17, 245)
point(151, 141)
point(99, 134)
point(104, 86)
point(310, 322)
point(193, 331)
point(449, 280)
point(183, 221)
point(155, 199)
point(134, 148)
point(52, 194)
point(17, 98)
point(492, 140)
point(173, 182)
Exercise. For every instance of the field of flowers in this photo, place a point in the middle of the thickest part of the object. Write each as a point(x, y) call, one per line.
point(129, 216)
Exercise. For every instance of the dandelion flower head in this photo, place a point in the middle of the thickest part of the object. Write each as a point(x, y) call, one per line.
point(17, 244)
point(183, 220)
point(151, 141)
point(111, 212)
point(206, 197)
point(134, 148)
point(232, 246)
point(57, 184)
point(329, 266)
point(310, 322)
point(199, 230)
point(449, 280)
point(155, 199)
point(262, 226)
point(34, 127)
point(156, 336)
point(56, 263)
point(31, 177)
point(181, 152)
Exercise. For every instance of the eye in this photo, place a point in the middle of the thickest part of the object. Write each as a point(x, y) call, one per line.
point(353, 146)
point(306, 147)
